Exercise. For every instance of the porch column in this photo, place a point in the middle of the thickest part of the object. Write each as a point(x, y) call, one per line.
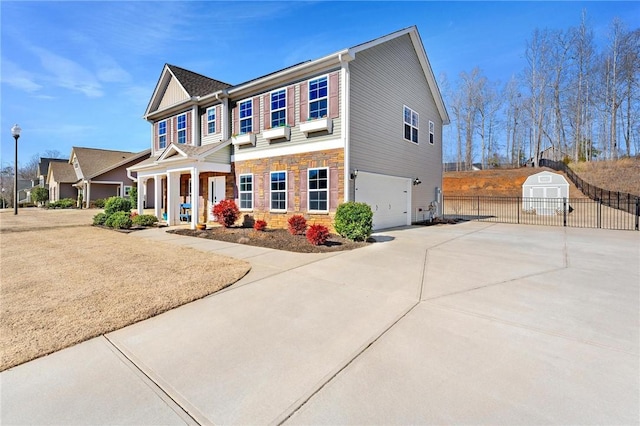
point(86, 196)
point(141, 187)
point(195, 197)
point(157, 193)
point(173, 198)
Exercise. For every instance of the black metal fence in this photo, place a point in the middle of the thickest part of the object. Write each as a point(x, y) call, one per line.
point(572, 212)
point(617, 200)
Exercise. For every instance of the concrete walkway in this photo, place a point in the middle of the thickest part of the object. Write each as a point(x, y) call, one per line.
point(469, 323)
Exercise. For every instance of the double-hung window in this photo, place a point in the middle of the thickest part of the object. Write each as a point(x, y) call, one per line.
point(211, 120)
point(279, 191)
point(246, 192)
point(318, 100)
point(318, 180)
point(432, 128)
point(279, 108)
point(162, 134)
point(246, 116)
point(410, 125)
point(182, 128)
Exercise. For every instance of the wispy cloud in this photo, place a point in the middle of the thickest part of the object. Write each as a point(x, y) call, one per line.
point(16, 77)
point(69, 74)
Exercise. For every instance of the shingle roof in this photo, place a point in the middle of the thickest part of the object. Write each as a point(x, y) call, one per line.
point(196, 84)
point(62, 172)
point(93, 160)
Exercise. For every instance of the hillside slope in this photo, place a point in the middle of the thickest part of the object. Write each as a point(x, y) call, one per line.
point(495, 182)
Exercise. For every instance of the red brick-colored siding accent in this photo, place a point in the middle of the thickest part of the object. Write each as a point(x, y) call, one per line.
point(291, 103)
point(296, 167)
point(334, 90)
point(304, 96)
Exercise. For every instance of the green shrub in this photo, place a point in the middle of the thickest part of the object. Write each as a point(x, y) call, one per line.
point(39, 195)
point(100, 219)
point(354, 221)
point(99, 203)
point(65, 203)
point(119, 220)
point(144, 220)
point(117, 204)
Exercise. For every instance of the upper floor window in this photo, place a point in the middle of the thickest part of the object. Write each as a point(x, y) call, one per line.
point(278, 191)
point(246, 116)
point(211, 120)
point(182, 128)
point(318, 91)
point(318, 180)
point(279, 108)
point(432, 128)
point(410, 125)
point(162, 134)
point(246, 192)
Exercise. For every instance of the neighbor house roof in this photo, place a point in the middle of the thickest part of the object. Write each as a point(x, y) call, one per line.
point(92, 161)
point(61, 172)
point(43, 164)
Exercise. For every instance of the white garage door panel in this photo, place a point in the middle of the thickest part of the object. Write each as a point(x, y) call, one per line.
point(388, 197)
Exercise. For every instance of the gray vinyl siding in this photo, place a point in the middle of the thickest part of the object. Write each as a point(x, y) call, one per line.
point(297, 137)
point(221, 156)
point(384, 78)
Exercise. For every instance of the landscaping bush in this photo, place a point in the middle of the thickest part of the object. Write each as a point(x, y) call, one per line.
point(39, 195)
point(99, 203)
point(317, 234)
point(100, 219)
point(260, 225)
point(144, 220)
point(354, 221)
point(117, 204)
point(65, 203)
point(119, 220)
point(297, 225)
point(226, 213)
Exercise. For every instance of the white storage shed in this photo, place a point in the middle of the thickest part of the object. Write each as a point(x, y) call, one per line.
point(543, 193)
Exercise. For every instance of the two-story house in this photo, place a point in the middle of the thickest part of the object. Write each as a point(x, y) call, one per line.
point(362, 124)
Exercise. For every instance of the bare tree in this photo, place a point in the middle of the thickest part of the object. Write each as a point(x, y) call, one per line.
point(29, 170)
point(630, 73)
point(469, 89)
point(537, 56)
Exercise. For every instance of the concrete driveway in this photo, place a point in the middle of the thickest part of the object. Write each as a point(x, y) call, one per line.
point(472, 323)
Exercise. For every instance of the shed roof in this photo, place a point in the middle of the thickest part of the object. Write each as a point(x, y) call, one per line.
point(545, 178)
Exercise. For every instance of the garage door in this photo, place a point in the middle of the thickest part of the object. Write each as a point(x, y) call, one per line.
point(388, 197)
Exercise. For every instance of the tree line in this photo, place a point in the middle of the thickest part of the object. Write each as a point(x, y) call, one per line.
point(580, 101)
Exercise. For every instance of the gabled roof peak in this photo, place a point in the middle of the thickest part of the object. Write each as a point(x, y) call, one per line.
point(196, 84)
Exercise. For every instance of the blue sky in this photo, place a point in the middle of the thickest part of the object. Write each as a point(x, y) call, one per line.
point(81, 73)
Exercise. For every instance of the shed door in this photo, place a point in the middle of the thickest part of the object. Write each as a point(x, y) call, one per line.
point(388, 197)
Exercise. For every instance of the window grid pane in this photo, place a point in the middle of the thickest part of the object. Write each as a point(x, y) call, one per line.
point(318, 90)
point(278, 191)
point(278, 108)
point(411, 124)
point(211, 120)
point(318, 189)
point(245, 117)
point(246, 192)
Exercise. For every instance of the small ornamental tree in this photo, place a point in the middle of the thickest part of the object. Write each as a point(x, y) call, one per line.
point(354, 221)
point(317, 234)
point(297, 225)
point(226, 213)
point(39, 195)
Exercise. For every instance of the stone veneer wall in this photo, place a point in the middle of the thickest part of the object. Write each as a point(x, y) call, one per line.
point(333, 159)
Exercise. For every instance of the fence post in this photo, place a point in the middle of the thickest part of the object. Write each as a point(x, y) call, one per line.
point(564, 211)
point(599, 201)
point(518, 207)
point(478, 214)
point(637, 214)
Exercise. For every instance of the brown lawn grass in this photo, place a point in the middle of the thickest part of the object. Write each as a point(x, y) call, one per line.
point(622, 175)
point(64, 281)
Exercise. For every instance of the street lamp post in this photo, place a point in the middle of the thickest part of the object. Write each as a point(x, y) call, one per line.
point(15, 131)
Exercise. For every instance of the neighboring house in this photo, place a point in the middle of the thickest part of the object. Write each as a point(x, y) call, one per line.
point(362, 124)
point(461, 167)
point(60, 180)
point(24, 191)
point(93, 174)
point(43, 169)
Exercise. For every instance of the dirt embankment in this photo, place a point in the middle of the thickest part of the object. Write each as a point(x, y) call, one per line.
point(495, 183)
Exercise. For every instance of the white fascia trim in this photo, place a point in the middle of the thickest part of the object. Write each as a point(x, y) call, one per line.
point(106, 182)
point(288, 150)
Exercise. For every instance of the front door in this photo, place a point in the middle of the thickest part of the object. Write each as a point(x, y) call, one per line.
point(216, 186)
